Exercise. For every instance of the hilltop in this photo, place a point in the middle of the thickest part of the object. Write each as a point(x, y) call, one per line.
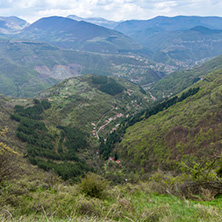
point(98, 21)
point(96, 103)
point(70, 34)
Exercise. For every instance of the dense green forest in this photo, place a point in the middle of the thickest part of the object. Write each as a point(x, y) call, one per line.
point(44, 148)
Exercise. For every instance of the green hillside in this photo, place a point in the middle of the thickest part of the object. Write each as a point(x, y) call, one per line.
point(180, 80)
point(188, 131)
point(64, 126)
point(82, 101)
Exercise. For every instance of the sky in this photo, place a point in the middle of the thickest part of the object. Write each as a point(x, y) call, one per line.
point(116, 10)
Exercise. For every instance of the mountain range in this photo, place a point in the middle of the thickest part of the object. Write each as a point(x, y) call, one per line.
point(70, 34)
point(180, 40)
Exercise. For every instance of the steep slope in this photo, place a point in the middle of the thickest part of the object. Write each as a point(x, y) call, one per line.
point(189, 130)
point(30, 194)
point(180, 40)
point(28, 67)
point(178, 81)
point(71, 34)
point(7, 105)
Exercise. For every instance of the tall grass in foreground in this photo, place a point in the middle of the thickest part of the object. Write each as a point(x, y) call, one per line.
point(25, 200)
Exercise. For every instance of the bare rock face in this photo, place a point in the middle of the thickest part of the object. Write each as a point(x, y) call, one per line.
point(60, 72)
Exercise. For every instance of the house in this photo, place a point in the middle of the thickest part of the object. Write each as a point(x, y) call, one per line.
point(110, 159)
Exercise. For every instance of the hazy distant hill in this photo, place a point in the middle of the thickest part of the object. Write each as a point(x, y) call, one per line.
point(12, 24)
point(180, 80)
point(175, 40)
point(28, 67)
point(162, 23)
point(71, 34)
point(98, 21)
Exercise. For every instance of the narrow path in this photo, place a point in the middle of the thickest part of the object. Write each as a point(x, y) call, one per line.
point(97, 131)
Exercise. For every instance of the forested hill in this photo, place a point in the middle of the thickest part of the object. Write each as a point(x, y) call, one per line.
point(188, 130)
point(60, 130)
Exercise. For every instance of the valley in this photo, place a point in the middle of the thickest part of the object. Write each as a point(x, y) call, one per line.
point(111, 121)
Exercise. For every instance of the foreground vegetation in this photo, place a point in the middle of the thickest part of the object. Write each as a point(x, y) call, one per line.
point(93, 199)
point(29, 194)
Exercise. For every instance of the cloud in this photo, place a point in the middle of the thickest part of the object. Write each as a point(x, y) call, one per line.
point(109, 9)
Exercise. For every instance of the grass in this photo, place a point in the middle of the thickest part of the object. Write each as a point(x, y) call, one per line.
point(122, 203)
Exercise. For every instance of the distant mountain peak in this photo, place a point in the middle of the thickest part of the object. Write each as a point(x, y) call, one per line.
point(12, 24)
point(81, 35)
point(96, 20)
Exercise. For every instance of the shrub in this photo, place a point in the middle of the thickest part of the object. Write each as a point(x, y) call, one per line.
point(94, 186)
point(89, 207)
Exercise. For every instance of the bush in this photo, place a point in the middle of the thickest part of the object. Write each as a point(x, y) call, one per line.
point(94, 186)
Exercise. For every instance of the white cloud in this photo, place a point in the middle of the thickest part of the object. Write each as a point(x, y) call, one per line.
point(109, 9)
